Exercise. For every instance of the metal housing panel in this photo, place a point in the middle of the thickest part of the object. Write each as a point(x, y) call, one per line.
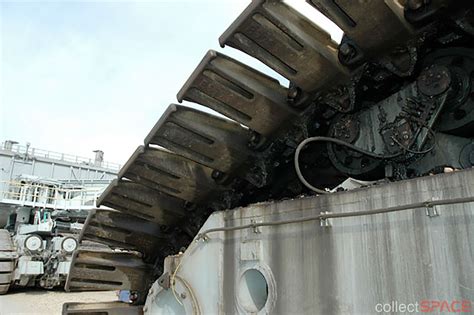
point(346, 267)
point(287, 42)
point(239, 92)
point(170, 173)
point(218, 143)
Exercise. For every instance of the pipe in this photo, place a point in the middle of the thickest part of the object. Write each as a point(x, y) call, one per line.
point(324, 216)
point(338, 142)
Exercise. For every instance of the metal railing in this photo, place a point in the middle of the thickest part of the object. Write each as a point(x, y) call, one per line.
point(48, 196)
point(34, 152)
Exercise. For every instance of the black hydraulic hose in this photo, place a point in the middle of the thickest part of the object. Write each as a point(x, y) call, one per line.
point(335, 141)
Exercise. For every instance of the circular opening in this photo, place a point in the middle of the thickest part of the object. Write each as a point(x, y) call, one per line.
point(253, 290)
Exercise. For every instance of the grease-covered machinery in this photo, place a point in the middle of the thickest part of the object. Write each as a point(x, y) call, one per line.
point(393, 101)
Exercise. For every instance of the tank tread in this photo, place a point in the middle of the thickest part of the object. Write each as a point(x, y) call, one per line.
point(109, 308)
point(7, 261)
point(107, 270)
point(227, 161)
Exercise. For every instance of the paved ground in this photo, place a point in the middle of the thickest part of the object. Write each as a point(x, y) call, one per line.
point(39, 302)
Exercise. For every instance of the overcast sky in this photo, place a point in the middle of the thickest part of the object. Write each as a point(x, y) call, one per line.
point(76, 76)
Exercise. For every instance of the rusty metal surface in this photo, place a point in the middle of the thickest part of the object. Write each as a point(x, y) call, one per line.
point(143, 202)
point(383, 20)
point(121, 230)
point(108, 308)
point(287, 42)
point(218, 143)
point(170, 173)
point(93, 270)
point(239, 92)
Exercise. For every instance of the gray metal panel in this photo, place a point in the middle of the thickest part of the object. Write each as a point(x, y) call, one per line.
point(361, 261)
point(170, 173)
point(348, 267)
point(108, 270)
point(218, 143)
point(121, 230)
point(239, 92)
point(287, 42)
point(138, 200)
point(373, 25)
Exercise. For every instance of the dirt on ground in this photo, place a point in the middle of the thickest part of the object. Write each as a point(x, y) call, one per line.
point(44, 302)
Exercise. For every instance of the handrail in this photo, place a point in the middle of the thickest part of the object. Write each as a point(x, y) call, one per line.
point(20, 149)
point(48, 195)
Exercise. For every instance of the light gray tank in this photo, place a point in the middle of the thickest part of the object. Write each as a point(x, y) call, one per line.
point(414, 255)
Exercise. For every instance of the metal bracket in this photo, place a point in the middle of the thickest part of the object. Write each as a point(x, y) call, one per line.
point(202, 237)
point(255, 229)
point(164, 281)
point(431, 211)
point(325, 222)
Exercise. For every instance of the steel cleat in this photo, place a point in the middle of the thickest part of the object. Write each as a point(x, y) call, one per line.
point(371, 27)
point(287, 42)
point(239, 92)
point(120, 230)
point(99, 270)
point(143, 202)
point(218, 143)
point(170, 173)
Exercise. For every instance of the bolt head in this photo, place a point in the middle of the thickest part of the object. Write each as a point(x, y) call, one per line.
point(293, 93)
point(434, 81)
point(416, 4)
point(346, 49)
point(216, 174)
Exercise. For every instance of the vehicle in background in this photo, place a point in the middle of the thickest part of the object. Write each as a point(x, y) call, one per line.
point(43, 205)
